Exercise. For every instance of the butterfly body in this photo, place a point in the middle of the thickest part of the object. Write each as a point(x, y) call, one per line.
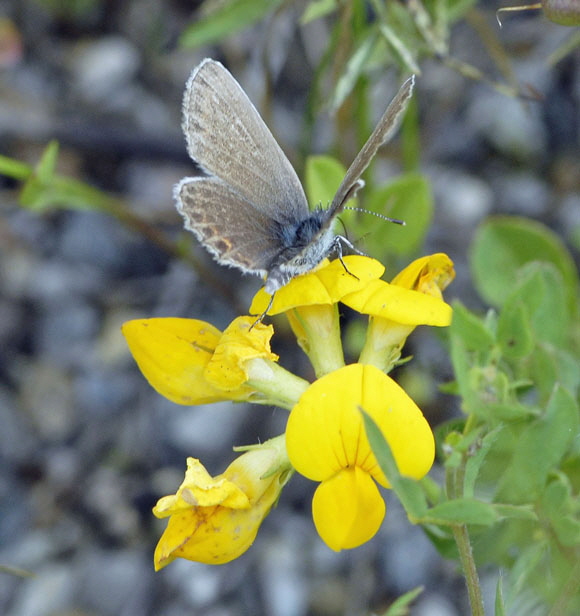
point(249, 209)
point(305, 244)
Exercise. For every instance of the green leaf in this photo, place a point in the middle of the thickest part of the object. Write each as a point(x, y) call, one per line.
point(461, 360)
point(322, 177)
point(38, 190)
point(517, 512)
point(567, 529)
point(539, 448)
point(353, 70)
point(524, 566)
point(64, 193)
point(400, 50)
point(317, 9)
point(475, 461)
point(507, 411)
point(503, 244)
point(549, 364)
point(514, 333)
point(400, 607)
point(473, 333)
point(406, 198)
point(14, 168)
point(408, 490)
point(43, 189)
point(499, 602)
point(432, 489)
point(411, 496)
point(381, 449)
point(539, 287)
point(47, 164)
point(556, 495)
point(557, 504)
point(33, 195)
point(229, 17)
point(442, 538)
point(461, 511)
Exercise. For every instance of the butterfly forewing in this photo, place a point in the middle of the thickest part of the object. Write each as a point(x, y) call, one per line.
point(228, 139)
point(382, 133)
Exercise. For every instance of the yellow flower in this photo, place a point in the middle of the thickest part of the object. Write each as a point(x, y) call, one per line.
point(191, 362)
point(326, 285)
point(215, 519)
point(413, 298)
point(326, 442)
point(416, 304)
point(430, 275)
point(230, 365)
point(173, 354)
point(310, 304)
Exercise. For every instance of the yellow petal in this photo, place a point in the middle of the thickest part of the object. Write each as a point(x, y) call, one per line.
point(325, 432)
point(211, 535)
point(429, 275)
point(389, 301)
point(242, 341)
point(215, 519)
point(347, 509)
point(172, 355)
point(325, 285)
point(199, 488)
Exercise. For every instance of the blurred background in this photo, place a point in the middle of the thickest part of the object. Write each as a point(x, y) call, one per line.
point(86, 446)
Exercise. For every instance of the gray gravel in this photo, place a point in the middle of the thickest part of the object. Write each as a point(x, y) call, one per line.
point(86, 447)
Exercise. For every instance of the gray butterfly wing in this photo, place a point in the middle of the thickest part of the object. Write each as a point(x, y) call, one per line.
point(227, 224)
point(227, 137)
point(384, 130)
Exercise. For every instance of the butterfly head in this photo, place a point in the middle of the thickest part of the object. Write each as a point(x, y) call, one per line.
point(306, 243)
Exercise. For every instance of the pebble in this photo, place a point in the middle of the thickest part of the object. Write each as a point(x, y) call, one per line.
point(205, 429)
point(103, 67)
point(87, 446)
point(49, 592)
point(523, 193)
point(507, 124)
point(462, 199)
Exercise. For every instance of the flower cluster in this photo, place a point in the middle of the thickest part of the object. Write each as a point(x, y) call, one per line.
point(215, 519)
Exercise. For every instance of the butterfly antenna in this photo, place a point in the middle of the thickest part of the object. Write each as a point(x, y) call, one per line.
point(360, 209)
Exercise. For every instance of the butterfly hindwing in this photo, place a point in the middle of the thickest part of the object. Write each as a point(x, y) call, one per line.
point(227, 224)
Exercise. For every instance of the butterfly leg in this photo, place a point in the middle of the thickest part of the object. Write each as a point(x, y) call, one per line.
point(338, 240)
point(261, 317)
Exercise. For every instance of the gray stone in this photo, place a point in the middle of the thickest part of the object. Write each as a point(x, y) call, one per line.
point(104, 66)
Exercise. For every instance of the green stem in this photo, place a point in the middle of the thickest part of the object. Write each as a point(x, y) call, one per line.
point(461, 536)
point(454, 478)
point(383, 343)
point(278, 386)
point(320, 337)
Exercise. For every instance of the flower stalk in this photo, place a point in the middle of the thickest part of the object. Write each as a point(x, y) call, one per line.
point(454, 481)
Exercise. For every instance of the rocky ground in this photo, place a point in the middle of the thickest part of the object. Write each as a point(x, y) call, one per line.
point(86, 447)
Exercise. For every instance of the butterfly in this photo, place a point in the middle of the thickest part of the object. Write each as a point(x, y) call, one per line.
point(248, 208)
